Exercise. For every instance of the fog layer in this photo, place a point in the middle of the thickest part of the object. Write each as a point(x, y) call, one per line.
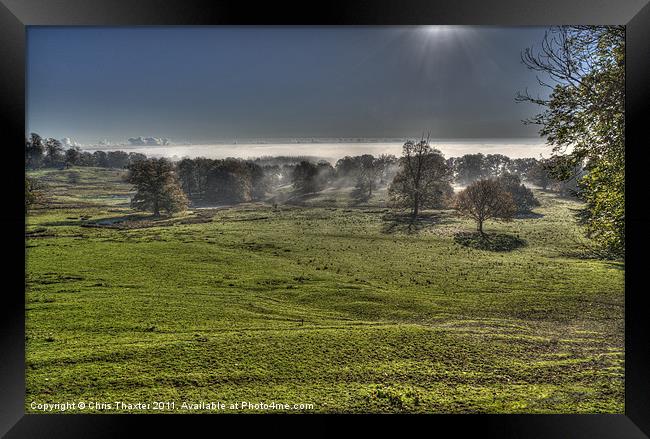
point(513, 148)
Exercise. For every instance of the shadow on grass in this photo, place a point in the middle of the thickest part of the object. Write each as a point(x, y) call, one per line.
point(560, 195)
point(588, 250)
point(405, 223)
point(496, 242)
point(528, 215)
point(124, 221)
point(78, 222)
point(131, 221)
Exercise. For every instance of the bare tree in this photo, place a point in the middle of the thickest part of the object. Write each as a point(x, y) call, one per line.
point(423, 178)
point(370, 171)
point(484, 200)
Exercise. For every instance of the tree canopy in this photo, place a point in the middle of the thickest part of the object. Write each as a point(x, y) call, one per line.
point(157, 186)
point(583, 118)
point(522, 196)
point(485, 199)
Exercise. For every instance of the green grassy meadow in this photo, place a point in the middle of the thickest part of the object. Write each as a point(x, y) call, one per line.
point(327, 303)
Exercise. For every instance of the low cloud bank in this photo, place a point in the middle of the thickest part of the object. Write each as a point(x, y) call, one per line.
point(148, 141)
point(69, 143)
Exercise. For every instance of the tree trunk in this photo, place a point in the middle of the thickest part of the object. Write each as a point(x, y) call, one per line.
point(416, 207)
point(480, 227)
point(156, 208)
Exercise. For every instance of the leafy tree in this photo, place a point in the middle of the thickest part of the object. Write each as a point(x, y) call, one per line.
point(228, 181)
point(100, 159)
point(540, 175)
point(423, 178)
point(117, 159)
point(583, 118)
point(388, 168)
point(483, 200)
point(368, 171)
point(157, 186)
point(470, 167)
point(305, 177)
point(72, 156)
point(325, 174)
point(371, 170)
point(33, 192)
point(603, 190)
point(135, 157)
point(522, 196)
point(495, 164)
point(347, 168)
point(186, 170)
point(53, 152)
point(521, 166)
point(365, 171)
point(286, 173)
point(259, 181)
point(34, 151)
point(202, 167)
point(273, 175)
point(86, 159)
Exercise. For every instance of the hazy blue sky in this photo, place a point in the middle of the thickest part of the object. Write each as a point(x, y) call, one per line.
point(202, 84)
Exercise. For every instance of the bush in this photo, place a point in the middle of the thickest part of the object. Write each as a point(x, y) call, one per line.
point(522, 196)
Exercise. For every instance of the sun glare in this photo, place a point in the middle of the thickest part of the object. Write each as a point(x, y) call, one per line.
point(441, 31)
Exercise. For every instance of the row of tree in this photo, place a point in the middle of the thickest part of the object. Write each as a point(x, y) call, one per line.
point(538, 172)
point(365, 172)
point(472, 167)
point(224, 181)
point(50, 153)
point(424, 177)
point(422, 180)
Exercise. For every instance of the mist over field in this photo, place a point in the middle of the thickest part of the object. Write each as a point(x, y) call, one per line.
point(332, 151)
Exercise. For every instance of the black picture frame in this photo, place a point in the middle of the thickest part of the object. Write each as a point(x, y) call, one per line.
point(15, 15)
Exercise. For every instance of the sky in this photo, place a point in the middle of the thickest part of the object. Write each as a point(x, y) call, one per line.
point(208, 84)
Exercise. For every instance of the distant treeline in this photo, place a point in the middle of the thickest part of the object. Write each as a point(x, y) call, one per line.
point(223, 181)
point(50, 153)
point(473, 167)
point(237, 180)
point(421, 178)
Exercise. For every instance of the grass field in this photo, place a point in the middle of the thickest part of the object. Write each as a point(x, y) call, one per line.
point(339, 306)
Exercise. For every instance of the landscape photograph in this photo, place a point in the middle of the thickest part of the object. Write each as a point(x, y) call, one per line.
point(325, 219)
